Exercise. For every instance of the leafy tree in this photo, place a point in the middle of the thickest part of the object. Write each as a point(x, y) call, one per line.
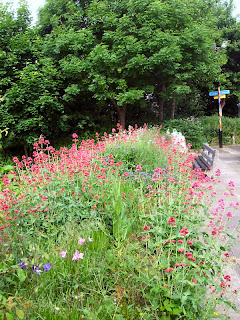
point(15, 43)
point(67, 42)
point(59, 13)
point(141, 47)
point(86, 57)
point(121, 51)
point(231, 68)
point(28, 83)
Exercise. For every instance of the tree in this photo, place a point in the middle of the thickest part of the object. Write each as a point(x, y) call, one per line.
point(28, 83)
point(121, 51)
point(141, 47)
point(231, 69)
point(86, 57)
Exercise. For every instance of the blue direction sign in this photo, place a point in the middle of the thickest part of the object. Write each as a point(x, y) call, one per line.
point(215, 93)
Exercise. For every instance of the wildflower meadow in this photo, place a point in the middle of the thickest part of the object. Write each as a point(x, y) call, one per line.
point(116, 227)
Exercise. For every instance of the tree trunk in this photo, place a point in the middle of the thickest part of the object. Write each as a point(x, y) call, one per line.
point(121, 113)
point(173, 106)
point(160, 110)
point(160, 103)
point(25, 150)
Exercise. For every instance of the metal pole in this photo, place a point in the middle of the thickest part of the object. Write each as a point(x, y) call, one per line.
point(220, 119)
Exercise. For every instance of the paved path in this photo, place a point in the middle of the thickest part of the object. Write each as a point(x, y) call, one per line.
point(229, 164)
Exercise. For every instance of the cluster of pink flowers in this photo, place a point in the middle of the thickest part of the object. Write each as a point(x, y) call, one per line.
point(146, 228)
point(184, 231)
point(77, 255)
point(172, 221)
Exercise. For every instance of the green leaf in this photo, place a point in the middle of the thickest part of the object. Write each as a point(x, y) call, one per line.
point(9, 316)
point(176, 311)
point(19, 313)
point(21, 275)
point(166, 302)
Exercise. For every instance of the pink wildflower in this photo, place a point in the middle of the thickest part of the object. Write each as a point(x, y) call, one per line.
point(63, 254)
point(184, 231)
point(74, 136)
point(223, 284)
point(227, 277)
point(77, 255)
point(231, 183)
point(229, 214)
point(181, 250)
point(81, 241)
point(172, 221)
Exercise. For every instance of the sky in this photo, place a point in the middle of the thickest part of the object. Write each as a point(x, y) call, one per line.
point(237, 7)
point(34, 5)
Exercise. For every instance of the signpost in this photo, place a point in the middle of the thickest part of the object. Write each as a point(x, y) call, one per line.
point(219, 95)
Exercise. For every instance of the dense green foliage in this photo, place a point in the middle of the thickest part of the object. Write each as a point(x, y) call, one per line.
point(230, 127)
point(206, 129)
point(191, 129)
point(88, 65)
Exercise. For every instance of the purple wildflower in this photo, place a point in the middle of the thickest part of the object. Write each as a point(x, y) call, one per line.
point(47, 266)
point(35, 268)
point(22, 265)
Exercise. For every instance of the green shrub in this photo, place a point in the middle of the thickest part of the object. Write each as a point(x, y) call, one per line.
point(206, 129)
point(191, 129)
point(230, 127)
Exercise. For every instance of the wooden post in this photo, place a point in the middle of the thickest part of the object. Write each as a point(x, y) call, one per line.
point(220, 119)
point(220, 95)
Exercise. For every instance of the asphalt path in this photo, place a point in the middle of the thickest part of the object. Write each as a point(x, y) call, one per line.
point(229, 165)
